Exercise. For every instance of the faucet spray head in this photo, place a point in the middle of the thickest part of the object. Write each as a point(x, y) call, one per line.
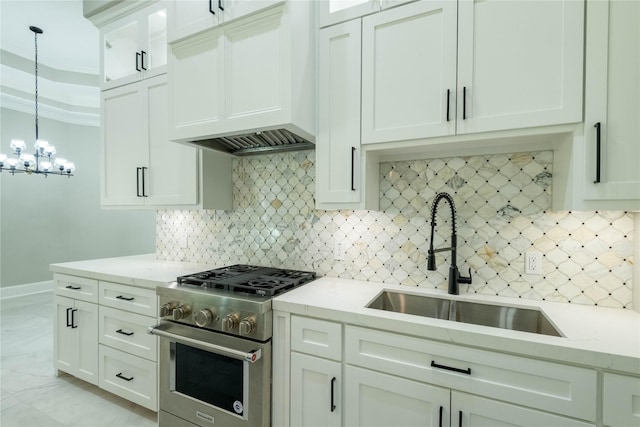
point(431, 261)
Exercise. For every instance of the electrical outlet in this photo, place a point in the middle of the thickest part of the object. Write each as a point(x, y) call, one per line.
point(533, 263)
point(339, 250)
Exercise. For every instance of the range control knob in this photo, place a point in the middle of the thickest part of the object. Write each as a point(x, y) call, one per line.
point(167, 309)
point(181, 312)
point(229, 322)
point(247, 325)
point(203, 317)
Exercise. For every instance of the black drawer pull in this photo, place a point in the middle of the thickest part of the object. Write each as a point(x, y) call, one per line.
point(211, 11)
point(75, 288)
point(333, 403)
point(120, 331)
point(73, 318)
point(598, 127)
point(124, 298)
point(353, 159)
point(138, 55)
point(440, 418)
point(464, 103)
point(448, 97)
point(449, 368)
point(460, 419)
point(122, 377)
point(69, 318)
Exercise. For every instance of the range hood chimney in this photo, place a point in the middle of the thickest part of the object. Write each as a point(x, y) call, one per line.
point(258, 142)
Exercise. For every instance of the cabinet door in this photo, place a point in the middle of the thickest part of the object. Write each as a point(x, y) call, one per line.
point(408, 72)
point(172, 176)
point(620, 400)
point(188, 17)
point(473, 411)
point(196, 87)
point(519, 64)
point(335, 11)
point(613, 101)
point(338, 144)
point(373, 399)
point(65, 352)
point(316, 397)
point(86, 320)
point(124, 145)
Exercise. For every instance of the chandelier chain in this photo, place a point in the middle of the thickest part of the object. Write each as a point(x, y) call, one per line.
point(36, 43)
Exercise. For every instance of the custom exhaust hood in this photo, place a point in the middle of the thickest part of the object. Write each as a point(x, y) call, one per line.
point(254, 143)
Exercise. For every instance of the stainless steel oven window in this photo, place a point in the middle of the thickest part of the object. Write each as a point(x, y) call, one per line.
point(211, 378)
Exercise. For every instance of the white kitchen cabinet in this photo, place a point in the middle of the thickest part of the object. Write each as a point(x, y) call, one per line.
point(473, 411)
point(316, 397)
point(335, 11)
point(612, 103)
point(377, 399)
point(253, 74)
point(621, 400)
point(76, 338)
point(507, 65)
point(141, 167)
point(408, 69)
point(134, 46)
point(338, 153)
point(189, 17)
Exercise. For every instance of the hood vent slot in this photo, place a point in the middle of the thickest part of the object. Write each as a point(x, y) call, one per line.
point(262, 142)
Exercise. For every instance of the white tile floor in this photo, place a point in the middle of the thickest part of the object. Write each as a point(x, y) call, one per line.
point(30, 393)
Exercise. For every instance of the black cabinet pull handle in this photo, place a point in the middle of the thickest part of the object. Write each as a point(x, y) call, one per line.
point(75, 288)
point(464, 103)
point(120, 331)
point(449, 368)
point(220, 5)
point(69, 321)
point(138, 182)
point(124, 298)
point(598, 127)
point(211, 7)
point(460, 419)
point(73, 318)
point(143, 186)
point(119, 375)
point(333, 404)
point(138, 61)
point(143, 54)
point(353, 159)
point(448, 96)
point(440, 418)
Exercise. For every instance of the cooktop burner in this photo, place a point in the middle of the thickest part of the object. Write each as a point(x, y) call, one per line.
point(251, 279)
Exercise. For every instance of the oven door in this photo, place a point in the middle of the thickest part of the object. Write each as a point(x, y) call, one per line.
point(209, 378)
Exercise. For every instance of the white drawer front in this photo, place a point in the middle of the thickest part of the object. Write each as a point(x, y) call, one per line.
point(130, 298)
point(621, 400)
point(128, 332)
point(316, 337)
point(544, 385)
point(76, 287)
point(128, 376)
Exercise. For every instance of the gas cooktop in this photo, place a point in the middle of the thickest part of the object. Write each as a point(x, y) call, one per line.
point(249, 279)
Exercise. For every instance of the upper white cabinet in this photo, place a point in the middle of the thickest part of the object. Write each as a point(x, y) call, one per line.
point(335, 11)
point(256, 73)
point(188, 17)
point(135, 46)
point(140, 166)
point(338, 155)
point(408, 69)
point(612, 103)
point(435, 68)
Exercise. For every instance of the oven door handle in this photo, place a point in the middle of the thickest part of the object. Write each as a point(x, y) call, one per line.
point(251, 356)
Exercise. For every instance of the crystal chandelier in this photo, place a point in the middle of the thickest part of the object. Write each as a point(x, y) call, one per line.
point(43, 160)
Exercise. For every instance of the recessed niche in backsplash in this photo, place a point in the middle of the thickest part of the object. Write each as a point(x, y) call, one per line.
point(503, 212)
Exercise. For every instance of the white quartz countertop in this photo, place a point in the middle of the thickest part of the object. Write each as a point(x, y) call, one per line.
point(593, 336)
point(138, 270)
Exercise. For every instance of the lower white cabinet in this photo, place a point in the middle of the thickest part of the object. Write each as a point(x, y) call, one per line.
point(75, 344)
point(621, 400)
point(105, 342)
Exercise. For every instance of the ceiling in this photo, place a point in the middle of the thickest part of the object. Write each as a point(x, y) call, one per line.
point(69, 42)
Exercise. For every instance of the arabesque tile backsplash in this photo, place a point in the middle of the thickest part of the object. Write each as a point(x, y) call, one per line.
point(502, 203)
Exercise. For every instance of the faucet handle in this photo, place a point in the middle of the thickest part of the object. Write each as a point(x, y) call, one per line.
point(463, 279)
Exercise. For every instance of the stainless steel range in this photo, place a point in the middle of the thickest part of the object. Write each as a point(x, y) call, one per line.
point(215, 347)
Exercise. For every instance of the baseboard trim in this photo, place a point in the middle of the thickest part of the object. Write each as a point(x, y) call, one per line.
point(26, 289)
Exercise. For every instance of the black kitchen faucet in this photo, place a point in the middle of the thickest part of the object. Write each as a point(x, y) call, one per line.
point(454, 274)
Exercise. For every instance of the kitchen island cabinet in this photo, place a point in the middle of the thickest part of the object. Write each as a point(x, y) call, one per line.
point(498, 376)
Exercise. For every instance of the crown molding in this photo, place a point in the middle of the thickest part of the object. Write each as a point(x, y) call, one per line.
point(87, 117)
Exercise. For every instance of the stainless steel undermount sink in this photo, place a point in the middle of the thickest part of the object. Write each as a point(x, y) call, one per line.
point(497, 316)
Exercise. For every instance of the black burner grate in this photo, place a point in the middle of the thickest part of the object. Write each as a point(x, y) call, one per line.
point(264, 281)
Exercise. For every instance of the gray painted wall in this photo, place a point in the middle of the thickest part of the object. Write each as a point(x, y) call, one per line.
point(55, 219)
